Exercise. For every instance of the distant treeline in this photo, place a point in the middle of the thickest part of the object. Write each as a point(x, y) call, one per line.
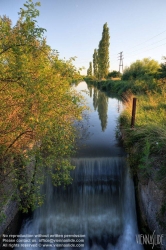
point(141, 77)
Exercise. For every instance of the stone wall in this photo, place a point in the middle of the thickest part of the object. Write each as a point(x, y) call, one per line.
point(150, 200)
point(10, 210)
point(9, 206)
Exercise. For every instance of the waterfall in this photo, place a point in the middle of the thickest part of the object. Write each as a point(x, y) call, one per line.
point(99, 204)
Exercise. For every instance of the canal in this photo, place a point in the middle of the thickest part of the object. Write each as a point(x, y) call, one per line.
point(97, 211)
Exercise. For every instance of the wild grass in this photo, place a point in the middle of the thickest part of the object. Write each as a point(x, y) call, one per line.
point(143, 85)
point(146, 143)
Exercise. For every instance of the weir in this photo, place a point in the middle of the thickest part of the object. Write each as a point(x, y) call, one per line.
point(98, 204)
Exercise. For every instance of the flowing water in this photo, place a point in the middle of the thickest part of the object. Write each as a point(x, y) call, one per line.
point(98, 209)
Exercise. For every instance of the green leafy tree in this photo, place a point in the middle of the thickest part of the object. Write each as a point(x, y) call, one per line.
point(162, 70)
point(38, 109)
point(114, 73)
point(140, 68)
point(95, 63)
point(89, 71)
point(103, 53)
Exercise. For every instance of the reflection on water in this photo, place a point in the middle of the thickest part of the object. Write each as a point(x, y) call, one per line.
point(100, 103)
point(100, 139)
point(95, 98)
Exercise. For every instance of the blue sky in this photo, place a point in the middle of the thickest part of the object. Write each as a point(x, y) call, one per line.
point(74, 27)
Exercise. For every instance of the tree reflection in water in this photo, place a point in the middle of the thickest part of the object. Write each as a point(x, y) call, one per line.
point(100, 103)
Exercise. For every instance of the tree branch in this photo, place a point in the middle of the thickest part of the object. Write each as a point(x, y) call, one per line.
point(9, 79)
point(16, 139)
point(3, 51)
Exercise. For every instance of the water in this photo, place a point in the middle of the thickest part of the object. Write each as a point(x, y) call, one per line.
point(98, 208)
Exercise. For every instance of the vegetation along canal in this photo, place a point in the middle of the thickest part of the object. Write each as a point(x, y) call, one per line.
point(97, 211)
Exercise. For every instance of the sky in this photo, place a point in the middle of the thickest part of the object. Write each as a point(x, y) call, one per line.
point(74, 28)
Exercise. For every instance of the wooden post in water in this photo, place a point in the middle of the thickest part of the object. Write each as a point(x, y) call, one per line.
point(133, 112)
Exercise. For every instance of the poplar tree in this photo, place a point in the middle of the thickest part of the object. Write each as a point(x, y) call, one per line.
point(103, 53)
point(89, 71)
point(95, 63)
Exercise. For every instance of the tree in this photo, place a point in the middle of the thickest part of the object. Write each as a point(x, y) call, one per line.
point(37, 106)
point(89, 71)
point(95, 63)
point(114, 74)
point(145, 67)
point(162, 70)
point(103, 53)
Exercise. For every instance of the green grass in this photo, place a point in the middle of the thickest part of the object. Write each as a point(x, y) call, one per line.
point(143, 85)
point(146, 143)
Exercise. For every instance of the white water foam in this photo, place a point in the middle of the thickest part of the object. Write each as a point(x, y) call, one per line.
point(99, 204)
